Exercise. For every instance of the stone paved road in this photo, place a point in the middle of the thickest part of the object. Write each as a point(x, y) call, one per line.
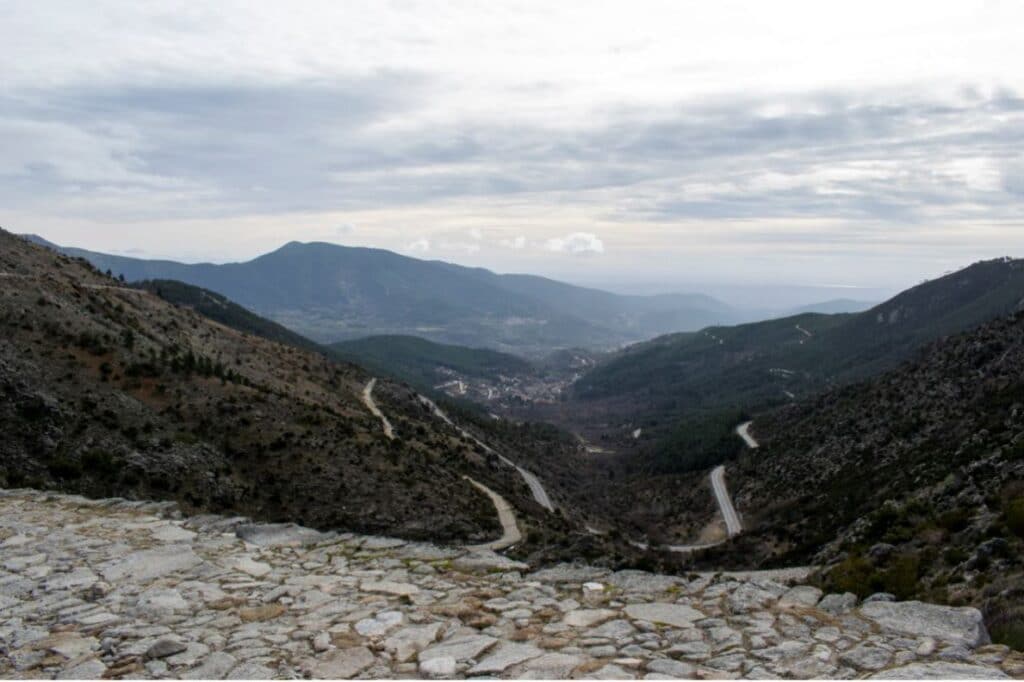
point(128, 589)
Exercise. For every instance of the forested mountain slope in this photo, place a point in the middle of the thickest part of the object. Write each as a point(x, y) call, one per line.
point(110, 390)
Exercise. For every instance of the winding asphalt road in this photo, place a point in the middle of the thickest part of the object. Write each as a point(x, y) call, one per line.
point(540, 495)
point(732, 519)
point(743, 431)
point(510, 533)
point(733, 525)
point(372, 407)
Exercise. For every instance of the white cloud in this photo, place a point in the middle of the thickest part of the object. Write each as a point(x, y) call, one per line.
point(515, 243)
point(463, 247)
point(577, 243)
point(686, 135)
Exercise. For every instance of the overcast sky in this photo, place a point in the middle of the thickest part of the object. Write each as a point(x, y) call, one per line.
point(627, 143)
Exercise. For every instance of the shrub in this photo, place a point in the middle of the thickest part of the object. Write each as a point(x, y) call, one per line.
point(1005, 622)
point(955, 555)
point(901, 577)
point(64, 468)
point(853, 574)
point(99, 463)
point(1015, 516)
point(955, 520)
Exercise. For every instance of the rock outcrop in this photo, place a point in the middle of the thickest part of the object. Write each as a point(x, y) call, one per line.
point(111, 588)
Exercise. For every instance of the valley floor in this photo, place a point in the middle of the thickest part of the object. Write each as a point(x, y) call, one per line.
point(111, 588)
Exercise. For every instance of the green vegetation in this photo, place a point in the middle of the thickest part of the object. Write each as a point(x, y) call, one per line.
point(417, 360)
point(695, 443)
point(755, 366)
point(1015, 516)
point(228, 313)
point(330, 292)
point(857, 574)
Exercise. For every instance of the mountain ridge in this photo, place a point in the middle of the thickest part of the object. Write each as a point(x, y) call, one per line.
point(330, 293)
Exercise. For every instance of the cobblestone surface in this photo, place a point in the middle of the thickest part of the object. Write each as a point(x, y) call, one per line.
point(110, 588)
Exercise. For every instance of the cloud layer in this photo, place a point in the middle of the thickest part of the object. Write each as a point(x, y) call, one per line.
point(518, 137)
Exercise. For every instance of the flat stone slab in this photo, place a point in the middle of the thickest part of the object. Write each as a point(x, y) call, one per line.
point(940, 670)
point(279, 534)
point(486, 560)
point(438, 668)
point(504, 657)
point(642, 581)
point(172, 534)
point(568, 573)
point(344, 663)
point(247, 564)
point(405, 643)
point(149, 564)
point(677, 615)
point(585, 618)
point(459, 648)
point(389, 587)
point(946, 623)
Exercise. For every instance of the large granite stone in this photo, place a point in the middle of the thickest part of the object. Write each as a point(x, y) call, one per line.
point(940, 670)
point(677, 615)
point(946, 623)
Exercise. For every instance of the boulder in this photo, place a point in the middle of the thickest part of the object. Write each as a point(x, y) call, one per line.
point(801, 595)
point(880, 596)
point(838, 603)
point(163, 648)
point(750, 597)
point(946, 623)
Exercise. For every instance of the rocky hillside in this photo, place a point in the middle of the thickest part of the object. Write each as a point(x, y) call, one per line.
point(912, 482)
point(115, 589)
point(762, 364)
point(110, 390)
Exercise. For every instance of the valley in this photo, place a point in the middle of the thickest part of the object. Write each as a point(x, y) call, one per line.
point(875, 451)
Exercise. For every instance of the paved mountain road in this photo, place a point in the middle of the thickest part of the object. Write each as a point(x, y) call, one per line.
point(733, 525)
point(540, 495)
point(743, 431)
point(510, 533)
point(372, 407)
point(732, 519)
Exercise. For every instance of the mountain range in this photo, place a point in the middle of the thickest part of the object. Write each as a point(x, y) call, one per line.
point(331, 293)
